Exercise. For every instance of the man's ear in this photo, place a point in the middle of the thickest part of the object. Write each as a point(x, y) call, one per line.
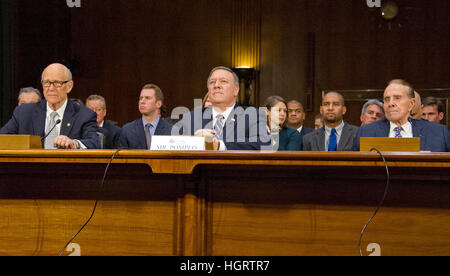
point(344, 110)
point(69, 86)
point(412, 102)
point(159, 104)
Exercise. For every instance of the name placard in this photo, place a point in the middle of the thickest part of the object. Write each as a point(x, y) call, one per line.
point(390, 144)
point(161, 142)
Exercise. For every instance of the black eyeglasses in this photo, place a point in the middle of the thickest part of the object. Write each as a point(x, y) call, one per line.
point(56, 84)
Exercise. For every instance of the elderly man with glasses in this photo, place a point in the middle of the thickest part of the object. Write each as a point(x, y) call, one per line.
point(58, 121)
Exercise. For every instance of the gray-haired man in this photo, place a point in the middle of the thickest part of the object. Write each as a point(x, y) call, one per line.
point(372, 111)
point(28, 95)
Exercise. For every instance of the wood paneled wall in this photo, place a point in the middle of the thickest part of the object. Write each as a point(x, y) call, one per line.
point(118, 46)
point(354, 47)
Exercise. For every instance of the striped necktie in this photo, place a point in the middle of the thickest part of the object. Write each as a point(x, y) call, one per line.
point(53, 134)
point(218, 127)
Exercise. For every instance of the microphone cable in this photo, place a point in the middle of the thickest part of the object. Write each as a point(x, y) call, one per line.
point(46, 135)
point(381, 201)
point(95, 205)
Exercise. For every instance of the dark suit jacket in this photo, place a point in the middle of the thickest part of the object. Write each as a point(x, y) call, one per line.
point(244, 129)
point(111, 134)
point(305, 130)
point(433, 137)
point(288, 139)
point(132, 135)
point(78, 122)
point(315, 141)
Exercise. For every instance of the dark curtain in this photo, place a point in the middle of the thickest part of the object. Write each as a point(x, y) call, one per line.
point(6, 63)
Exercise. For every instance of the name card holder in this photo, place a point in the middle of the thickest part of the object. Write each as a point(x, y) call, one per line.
point(20, 142)
point(390, 144)
point(185, 143)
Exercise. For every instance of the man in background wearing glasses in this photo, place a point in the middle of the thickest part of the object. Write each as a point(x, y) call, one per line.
point(58, 121)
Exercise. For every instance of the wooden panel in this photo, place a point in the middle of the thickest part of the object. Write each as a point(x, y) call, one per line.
point(313, 212)
point(43, 227)
point(43, 206)
point(173, 44)
point(20, 142)
point(223, 203)
point(162, 42)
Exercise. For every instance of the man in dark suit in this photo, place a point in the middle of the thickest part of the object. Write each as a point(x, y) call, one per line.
point(138, 134)
point(59, 122)
point(29, 95)
point(228, 125)
point(296, 117)
point(372, 111)
point(335, 135)
point(399, 100)
point(110, 132)
point(433, 110)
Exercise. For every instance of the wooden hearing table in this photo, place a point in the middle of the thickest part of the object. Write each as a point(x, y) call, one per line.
point(223, 203)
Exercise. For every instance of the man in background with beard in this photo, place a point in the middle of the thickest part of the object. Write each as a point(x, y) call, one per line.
point(335, 135)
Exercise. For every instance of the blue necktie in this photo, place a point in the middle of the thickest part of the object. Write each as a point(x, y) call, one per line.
point(332, 144)
point(397, 132)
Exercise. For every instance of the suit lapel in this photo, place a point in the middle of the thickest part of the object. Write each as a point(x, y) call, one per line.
point(384, 130)
point(140, 133)
point(233, 134)
point(161, 127)
point(233, 118)
point(38, 118)
point(416, 128)
point(207, 119)
point(320, 139)
point(68, 119)
point(417, 132)
point(345, 137)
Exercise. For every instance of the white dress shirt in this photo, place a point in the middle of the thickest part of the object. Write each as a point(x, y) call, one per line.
point(338, 134)
point(60, 116)
point(405, 133)
point(225, 114)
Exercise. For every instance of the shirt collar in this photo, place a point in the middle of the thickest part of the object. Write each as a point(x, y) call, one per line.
point(338, 129)
point(153, 124)
point(60, 111)
point(406, 132)
point(225, 114)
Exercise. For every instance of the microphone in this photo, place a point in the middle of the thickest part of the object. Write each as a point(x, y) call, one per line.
point(48, 133)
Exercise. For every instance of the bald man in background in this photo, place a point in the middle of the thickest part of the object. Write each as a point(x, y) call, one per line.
point(336, 134)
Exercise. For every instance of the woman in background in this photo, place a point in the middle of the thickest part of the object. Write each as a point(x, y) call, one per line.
point(206, 103)
point(283, 138)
